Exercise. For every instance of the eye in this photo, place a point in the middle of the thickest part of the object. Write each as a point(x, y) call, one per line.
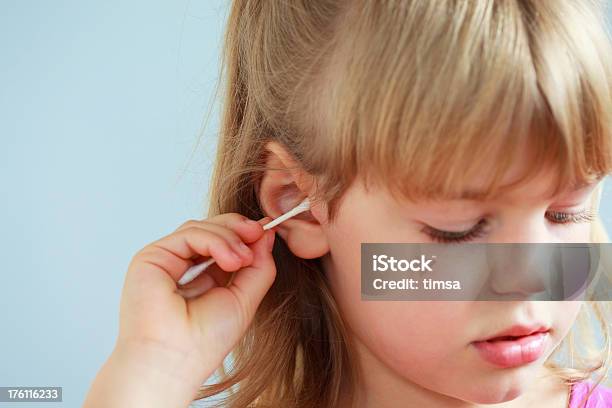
point(456, 236)
point(560, 217)
point(557, 217)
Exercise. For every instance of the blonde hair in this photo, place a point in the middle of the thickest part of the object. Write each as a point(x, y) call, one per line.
point(420, 90)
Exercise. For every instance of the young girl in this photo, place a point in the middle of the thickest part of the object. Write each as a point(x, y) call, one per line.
point(403, 121)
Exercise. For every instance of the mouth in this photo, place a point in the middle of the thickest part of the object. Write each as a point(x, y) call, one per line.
point(516, 346)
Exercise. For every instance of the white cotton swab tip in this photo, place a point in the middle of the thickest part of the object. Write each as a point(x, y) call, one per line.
point(196, 270)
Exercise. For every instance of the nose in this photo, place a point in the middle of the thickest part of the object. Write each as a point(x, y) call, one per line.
point(518, 265)
point(524, 228)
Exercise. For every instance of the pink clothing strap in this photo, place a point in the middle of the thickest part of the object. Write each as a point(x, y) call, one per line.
point(601, 397)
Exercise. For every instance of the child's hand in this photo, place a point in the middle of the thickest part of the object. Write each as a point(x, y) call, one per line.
point(179, 340)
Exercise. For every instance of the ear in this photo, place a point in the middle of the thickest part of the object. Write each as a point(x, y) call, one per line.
point(284, 185)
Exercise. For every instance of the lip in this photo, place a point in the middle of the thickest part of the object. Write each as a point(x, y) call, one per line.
point(519, 330)
point(513, 347)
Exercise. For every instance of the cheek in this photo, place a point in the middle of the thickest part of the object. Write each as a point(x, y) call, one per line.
point(389, 328)
point(403, 334)
point(575, 233)
point(565, 316)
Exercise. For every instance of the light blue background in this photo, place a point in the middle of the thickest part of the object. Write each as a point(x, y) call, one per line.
point(100, 108)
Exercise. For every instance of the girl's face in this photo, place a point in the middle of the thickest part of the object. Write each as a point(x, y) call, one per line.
point(413, 348)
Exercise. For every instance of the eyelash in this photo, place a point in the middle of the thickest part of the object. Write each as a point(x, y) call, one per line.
point(479, 229)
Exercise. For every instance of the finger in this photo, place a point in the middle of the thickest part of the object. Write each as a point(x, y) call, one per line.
point(233, 238)
point(212, 277)
point(234, 229)
point(173, 253)
point(248, 230)
point(198, 286)
point(251, 283)
point(221, 277)
point(238, 230)
point(248, 287)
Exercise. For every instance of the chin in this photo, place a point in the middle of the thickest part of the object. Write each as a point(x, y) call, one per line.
point(494, 396)
point(495, 390)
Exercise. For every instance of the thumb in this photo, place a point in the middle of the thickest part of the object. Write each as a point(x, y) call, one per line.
point(223, 314)
point(254, 281)
point(230, 309)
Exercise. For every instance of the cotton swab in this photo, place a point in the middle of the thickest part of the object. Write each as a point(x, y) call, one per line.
point(194, 271)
